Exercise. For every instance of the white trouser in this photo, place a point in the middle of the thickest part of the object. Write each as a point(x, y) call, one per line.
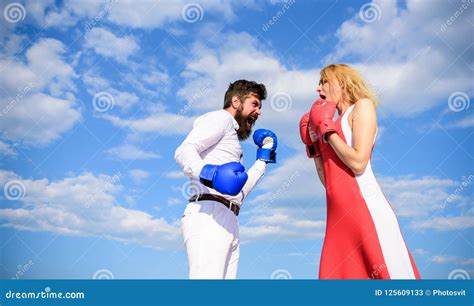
point(211, 236)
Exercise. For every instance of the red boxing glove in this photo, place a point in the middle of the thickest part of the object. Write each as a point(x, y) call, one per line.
point(321, 116)
point(308, 138)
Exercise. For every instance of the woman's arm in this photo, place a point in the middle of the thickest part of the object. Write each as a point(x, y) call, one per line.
point(318, 162)
point(310, 138)
point(364, 125)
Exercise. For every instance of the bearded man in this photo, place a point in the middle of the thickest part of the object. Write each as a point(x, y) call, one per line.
point(211, 157)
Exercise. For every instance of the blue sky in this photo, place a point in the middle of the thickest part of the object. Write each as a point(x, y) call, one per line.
point(96, 96)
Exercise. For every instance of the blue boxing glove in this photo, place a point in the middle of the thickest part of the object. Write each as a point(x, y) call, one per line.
point(267, 142)
point(227, 178)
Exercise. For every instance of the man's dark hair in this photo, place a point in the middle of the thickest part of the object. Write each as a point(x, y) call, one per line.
point(242, 89)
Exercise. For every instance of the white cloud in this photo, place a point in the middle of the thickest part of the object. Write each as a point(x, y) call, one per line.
point(45, 69)
point(282, 227)
point(291, 197)
point(174, 201)
point(296, 179)
point(416, 197)
point(75, 206)
point(161, 122)
point(6, 149)
point(138, 175)
point(455, 223)
point(39, 105)
point(11, 44)
point(237, 55)
point(175, 175)
point(155, 14)
point(412, 70)
point(128, 13)
point(234, 56)
point(95, 83)
point(124, 100)
point(142, 84)
point(468, 262)
point(109, 45)
point(291, 204)
point(441, 259)
point(39, 119)
point(130, 152)
point(155, 77)
point(421, 252)
point(467, 122)
point(147, 79)
point(36, 9)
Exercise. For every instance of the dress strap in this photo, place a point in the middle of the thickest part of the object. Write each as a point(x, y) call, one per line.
point(348, 111)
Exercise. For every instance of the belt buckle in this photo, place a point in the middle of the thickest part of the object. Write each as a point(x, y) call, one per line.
point(232, 204)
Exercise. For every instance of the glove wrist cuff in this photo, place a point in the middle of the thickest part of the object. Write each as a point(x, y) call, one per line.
point(207, 175)
point(313, 151)
point(266, 155)
point(327, 126)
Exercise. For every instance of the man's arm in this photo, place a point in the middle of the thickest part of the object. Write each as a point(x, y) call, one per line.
point(254, 174)
point(267, 142)
point(206, 132)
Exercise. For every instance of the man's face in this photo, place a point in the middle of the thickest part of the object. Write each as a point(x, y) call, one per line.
point(247, 114)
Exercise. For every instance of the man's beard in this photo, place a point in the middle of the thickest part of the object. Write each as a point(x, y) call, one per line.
point(243, 132)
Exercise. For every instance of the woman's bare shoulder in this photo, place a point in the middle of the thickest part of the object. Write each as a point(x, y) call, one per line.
point(364, 107)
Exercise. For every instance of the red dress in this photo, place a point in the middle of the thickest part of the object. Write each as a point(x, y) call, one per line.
point(363, 238)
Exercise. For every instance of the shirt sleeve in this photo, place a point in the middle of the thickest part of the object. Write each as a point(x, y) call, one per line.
point(254, 174)
point(207, 131)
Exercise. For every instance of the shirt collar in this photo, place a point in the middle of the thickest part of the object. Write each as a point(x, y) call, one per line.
point(234, 122)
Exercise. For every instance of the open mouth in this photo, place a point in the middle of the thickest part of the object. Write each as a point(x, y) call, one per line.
point(251, 121)
point(322, 96)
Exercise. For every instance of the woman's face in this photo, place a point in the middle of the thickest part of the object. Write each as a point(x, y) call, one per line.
point(329, 91)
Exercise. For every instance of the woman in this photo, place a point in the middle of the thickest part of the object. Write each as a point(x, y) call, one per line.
point(363, 238)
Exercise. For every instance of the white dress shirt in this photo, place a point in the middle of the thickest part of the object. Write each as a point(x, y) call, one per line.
point(213, 140)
